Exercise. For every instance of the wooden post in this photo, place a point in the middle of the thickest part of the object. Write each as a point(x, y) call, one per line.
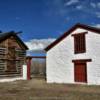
point(28, 62)
point(29, 68)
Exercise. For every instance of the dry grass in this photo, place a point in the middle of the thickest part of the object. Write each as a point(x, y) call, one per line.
point(38, 89)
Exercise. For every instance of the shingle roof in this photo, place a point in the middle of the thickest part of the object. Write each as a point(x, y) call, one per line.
point(6, 35)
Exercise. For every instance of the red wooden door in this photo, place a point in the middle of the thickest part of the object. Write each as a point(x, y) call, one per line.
point(80, 73)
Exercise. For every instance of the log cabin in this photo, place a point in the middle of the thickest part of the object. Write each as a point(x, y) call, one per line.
point(12, 55)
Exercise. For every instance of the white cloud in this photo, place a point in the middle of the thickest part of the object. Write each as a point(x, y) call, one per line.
point(70, 2)
point(98, 4)
point(98, 25)
point(98, 14)
point(38, 45)
point(93, 5)
point(79, 7)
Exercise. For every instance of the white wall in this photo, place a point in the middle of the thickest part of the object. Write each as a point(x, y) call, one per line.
point(24, 72)
point(60, 68)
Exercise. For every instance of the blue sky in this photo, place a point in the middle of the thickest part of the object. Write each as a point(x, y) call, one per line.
point(41, 20)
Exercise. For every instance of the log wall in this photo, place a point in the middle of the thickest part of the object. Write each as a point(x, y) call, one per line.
point(12, 57)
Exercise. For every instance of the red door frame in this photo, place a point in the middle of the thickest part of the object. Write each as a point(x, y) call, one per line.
point(81, 61)
point(28, 61)
point(84, 73)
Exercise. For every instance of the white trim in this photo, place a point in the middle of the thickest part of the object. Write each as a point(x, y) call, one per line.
point(11, 79)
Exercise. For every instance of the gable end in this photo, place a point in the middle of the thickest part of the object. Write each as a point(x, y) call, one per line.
point(9, 34)
point(78, 25)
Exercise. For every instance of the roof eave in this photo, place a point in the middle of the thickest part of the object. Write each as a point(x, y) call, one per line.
point(69, 31)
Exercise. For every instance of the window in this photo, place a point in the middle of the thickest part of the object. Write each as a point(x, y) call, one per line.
point(79, 43)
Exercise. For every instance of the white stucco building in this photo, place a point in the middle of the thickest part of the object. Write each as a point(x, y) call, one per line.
point(75, 56)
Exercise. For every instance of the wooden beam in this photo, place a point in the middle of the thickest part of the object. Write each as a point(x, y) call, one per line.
point(30, 57)
point(81, 60)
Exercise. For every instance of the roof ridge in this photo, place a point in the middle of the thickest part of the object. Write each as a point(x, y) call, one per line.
point(87, 27)
point(12, 33)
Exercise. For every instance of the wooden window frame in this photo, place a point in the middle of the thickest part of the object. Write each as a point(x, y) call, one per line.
point(79, 42)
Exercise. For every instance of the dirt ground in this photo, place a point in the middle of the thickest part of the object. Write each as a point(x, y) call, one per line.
point(38, 89)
